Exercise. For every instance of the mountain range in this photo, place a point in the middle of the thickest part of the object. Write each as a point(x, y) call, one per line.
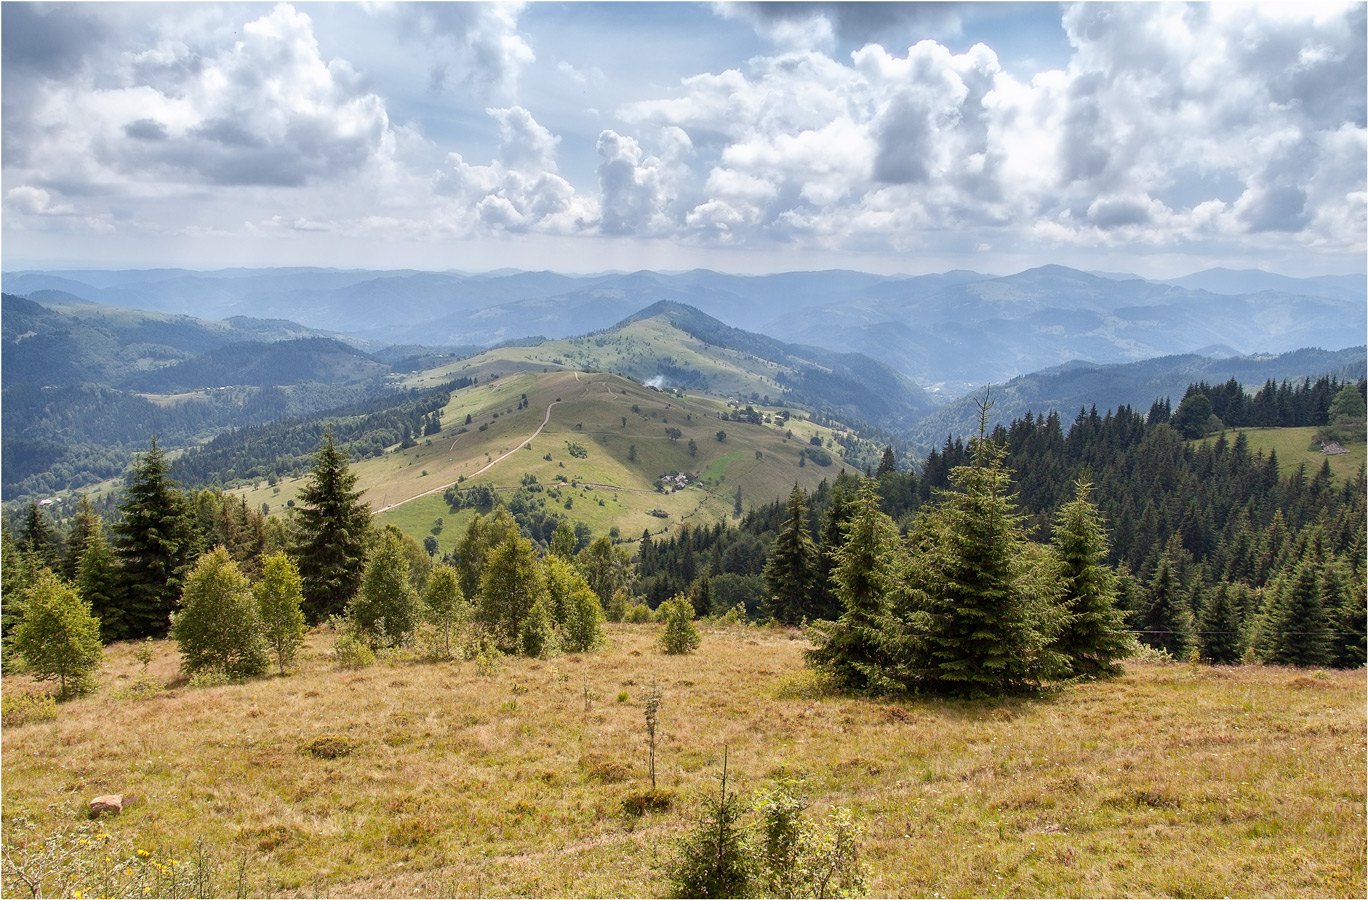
point(947, 332)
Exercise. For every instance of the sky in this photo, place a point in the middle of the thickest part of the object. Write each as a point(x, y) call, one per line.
point(1158, 139)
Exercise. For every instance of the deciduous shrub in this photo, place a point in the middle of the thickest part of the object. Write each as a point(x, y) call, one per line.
point(219, 626)
point(58, 637)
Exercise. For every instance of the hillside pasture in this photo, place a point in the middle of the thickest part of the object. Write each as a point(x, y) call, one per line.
point(433, 779)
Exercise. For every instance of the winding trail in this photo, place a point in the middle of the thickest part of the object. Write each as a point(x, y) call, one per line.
point(487, 466)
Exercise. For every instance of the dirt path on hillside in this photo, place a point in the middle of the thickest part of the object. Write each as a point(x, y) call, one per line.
point(487, 466)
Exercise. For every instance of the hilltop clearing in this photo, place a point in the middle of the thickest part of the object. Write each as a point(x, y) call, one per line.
point(596, 445)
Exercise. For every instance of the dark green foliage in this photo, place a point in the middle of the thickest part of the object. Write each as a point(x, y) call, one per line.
point(156, 543)
point(1166, 623)
point(1296, 628)
point(793, 569)
point(83, 524)
point(385, 609)
point(851, 649)
point(37, 539)
point(219, 625)
point(99, 580)
point(58, 638)
point(714, 858)
point(1092, 636)
point(1218, 628)
point(992, 613)
point(331, 529)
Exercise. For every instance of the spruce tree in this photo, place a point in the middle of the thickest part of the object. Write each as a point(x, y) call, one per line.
point(1218, 628)
point(15, 576)
point(331, 529)
point(1093, 637)
point(37, 538)
point(793, 568)
point(85, 522)
point(100, 582)
point(58, 638)
point(156, 543)
point(990, 624)
point(1167, 620)
point(1295, 629)
point(851, 649)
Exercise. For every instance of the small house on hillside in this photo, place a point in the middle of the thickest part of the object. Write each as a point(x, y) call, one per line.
point(1332, 448)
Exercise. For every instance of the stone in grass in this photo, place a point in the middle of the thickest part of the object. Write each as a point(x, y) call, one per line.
point(108, 803)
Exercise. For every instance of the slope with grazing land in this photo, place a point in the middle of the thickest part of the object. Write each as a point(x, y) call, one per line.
point(420, 779)
point(594, 422)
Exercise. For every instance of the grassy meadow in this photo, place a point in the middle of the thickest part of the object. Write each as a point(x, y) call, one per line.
point(1295, 447)
point(441, 779)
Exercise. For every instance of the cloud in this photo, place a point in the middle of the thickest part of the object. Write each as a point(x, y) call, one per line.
point(1170, 123)
point(520, 190)
point(265, 109)
point(477, 45)
point(638, 191)
point(34, 201)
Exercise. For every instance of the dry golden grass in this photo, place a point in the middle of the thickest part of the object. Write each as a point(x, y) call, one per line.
point(1171, 781)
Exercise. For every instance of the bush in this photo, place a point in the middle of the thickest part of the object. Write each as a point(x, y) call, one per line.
point(638, 613)
point(680, 635)
point(349, 648)
point(18, 709)
point(583, 627)
point(219, 625)
point(797, 859)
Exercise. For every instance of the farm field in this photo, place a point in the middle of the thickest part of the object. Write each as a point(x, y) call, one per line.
point(443, 780)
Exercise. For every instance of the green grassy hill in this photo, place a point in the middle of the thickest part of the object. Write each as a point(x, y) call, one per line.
point(594, 422)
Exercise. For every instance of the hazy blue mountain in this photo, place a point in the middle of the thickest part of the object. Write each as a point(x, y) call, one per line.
point(1080, 385)
point(948, 331)
point(1252, 281)
point(260, 364)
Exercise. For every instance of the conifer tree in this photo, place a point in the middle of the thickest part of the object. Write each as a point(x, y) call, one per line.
point(851, 649)
point(58, 638)
point(1093, 636)
point(331, 531)
point(1167, 621)
point(15, 576)
point(1295, 630)
point(37, 538)
point(792, 571)
point(990, 627)
point(83, 524)
point(219, 627)
point(384, 609)
point(280, 598)
point(1218, 628)
point(679, 636)
point(156, 544)
point(99, 581)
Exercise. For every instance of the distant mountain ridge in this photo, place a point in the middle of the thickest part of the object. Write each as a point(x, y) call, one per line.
point(1079, 385)
point(946, 331)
